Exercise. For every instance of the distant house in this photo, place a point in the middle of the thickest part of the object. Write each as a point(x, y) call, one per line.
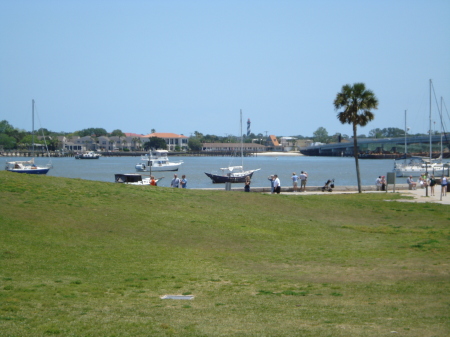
point(288, 143)
point(233, 147)
point(76, 143)
point(104, 143)
point(303, 142)
point(101, 143)
point(172, 140)
point(131, 141)
point(273, 144)
point(116, 143)
point(69, 144)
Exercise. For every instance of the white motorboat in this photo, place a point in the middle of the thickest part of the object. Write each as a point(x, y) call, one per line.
point(28, 167)
point(87, 155)
point(157, 161)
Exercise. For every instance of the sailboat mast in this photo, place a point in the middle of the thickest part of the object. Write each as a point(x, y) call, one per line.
point(406, 145)
point(440, 114)
point(32, 126)
point(431, 154)
point(242, 145)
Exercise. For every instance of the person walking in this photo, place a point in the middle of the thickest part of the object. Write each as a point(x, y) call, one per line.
point(444, 183)
point(432, 184)
point(247, 184)
point(183, 181)
point(294, 182)
point(175, 181)
point(276, 184)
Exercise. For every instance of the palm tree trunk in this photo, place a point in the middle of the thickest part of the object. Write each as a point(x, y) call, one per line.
point(355, 153)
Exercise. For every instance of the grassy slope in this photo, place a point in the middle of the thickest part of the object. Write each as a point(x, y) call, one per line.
point(83, 258)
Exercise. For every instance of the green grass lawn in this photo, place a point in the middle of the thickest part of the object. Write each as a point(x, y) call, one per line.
point(85, 258)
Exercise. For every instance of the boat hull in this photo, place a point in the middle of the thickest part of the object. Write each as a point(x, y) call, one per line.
point(133, 179)
point(417, 167)
point(416, 172)
point(145, 168)
point(157, 161)
point(30, 171)
point(220, 179)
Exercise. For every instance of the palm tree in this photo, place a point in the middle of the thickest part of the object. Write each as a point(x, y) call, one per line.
point(198, 134)
point(94, 141)
point(136, 141)
point(354, 99)
point(113, 141)
point(124, 142)
point(139, 140)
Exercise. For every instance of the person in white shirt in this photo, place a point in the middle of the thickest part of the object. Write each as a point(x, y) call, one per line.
point(378, 183)
point(444, 182)
point(276, 184)
point(411, 183)
point(175, 181)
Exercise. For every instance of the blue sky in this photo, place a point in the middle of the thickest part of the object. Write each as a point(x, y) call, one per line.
point(185, 66)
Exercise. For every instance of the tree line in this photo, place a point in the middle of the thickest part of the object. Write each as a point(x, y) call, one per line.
point(14, 138)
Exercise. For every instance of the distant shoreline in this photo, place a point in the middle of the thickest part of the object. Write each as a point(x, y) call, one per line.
point(277, 154)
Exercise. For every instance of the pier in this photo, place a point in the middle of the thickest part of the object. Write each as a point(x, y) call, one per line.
point(382, 148)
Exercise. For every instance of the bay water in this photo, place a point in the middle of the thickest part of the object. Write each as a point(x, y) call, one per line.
point(319, 169)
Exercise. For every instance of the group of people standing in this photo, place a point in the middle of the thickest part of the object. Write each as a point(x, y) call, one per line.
point(177, 182)
point(425, 180)
point(380, 183)
point(303, 177)
point(275, 184)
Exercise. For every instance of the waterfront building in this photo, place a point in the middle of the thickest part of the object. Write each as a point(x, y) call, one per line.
point(172, 140)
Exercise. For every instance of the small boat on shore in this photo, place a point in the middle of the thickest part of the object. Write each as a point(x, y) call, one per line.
point(133, 179)
point(157, 161)
point(87, 155)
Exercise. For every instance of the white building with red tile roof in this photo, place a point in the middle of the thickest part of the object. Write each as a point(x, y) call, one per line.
point(129, 134)
point(172, 140)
